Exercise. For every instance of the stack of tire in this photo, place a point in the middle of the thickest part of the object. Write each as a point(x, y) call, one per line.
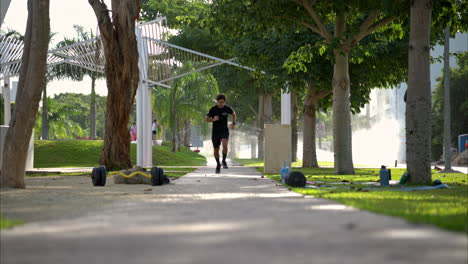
point(99, 175)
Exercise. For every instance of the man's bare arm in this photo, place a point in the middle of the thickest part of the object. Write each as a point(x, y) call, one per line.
point(211, 119)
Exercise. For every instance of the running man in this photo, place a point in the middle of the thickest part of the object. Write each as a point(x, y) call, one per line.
point(218, 114)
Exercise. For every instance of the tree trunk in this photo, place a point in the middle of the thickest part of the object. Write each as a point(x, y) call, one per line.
point(260, 127)
point(321, 132)
point(342, 139)
point(294, 126)
point(233, 145)
point(179, 137)
point(268, 108)
point(253, 143)
point(309, 153)
point(174, 140)
point(418, 101)
point(92, 109)
point(164, 134)
point(45, 120)
point(122, 75)
point(31, 83)
point(187, 125)
point(266, 114)
point(447, 143)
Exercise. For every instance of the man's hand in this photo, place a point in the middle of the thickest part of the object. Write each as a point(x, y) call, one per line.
point(231, 126)
point(215, 118)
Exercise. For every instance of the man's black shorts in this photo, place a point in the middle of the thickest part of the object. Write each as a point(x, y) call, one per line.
point(216, 138)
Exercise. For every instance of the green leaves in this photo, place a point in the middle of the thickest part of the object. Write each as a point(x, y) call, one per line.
point(297, 60)
point(459, 105)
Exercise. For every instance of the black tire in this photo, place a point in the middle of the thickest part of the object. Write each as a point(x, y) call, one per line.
point(296, 179)
point(93, 176)
point(165, 179)
point(99, 176)
point(103, 177)
point(156, 176)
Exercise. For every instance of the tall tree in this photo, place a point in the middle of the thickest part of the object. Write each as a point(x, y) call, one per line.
point(189, 98)
point(30, 85)
point(121, 54)
point(291, 56)
point(340, 24)
point(418, 102)
point(50, 75)
point(81, 36)
point(458, 106)
point(447, 145)
point(45, 114)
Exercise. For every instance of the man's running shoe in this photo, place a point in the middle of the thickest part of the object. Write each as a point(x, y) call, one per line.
point(218, 168)
point(225, 165)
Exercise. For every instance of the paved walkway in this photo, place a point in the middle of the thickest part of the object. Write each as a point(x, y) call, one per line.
point(233, 217)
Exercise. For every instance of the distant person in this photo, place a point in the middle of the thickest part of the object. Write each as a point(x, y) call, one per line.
point(133, 131)
point(218, 115)
point(154, 129)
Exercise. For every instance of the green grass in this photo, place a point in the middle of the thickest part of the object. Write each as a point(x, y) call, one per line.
point(259, 163)
point(168, 171)
point(446, 208)
point(8, 223)
point(85, 153)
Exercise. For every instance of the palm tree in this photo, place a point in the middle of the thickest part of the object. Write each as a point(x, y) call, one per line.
point(83, 35)
point(61, 125)
point(186, 102)
point(75, 73)
point(13, 34)
point(49, 77)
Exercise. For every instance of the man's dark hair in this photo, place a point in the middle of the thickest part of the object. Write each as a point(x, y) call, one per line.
point(220, 96)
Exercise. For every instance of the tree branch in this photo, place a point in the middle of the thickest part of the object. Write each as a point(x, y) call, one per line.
point(322, 29)
point(310, 26)
point(369, 20)
point(371, 29)
point(103, 19)
point(380, 24)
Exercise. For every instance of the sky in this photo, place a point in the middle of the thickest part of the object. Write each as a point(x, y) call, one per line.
point(63, 15)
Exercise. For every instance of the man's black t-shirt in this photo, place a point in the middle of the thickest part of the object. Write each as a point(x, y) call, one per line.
point(220, 126)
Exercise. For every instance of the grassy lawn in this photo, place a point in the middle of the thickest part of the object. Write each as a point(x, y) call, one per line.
point(446, 208)
point(169, 172)
point(85, 153)
point(259, 163)
point(8, 223)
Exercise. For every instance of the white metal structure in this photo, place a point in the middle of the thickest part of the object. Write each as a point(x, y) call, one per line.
point(285, 108)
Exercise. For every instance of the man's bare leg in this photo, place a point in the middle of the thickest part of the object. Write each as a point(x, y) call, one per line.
point(218, 164)
point(224, 142)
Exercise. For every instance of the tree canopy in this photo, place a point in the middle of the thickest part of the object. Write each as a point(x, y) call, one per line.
point(459, 106)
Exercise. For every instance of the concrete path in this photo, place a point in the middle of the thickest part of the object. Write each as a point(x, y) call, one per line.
point(233, 217)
